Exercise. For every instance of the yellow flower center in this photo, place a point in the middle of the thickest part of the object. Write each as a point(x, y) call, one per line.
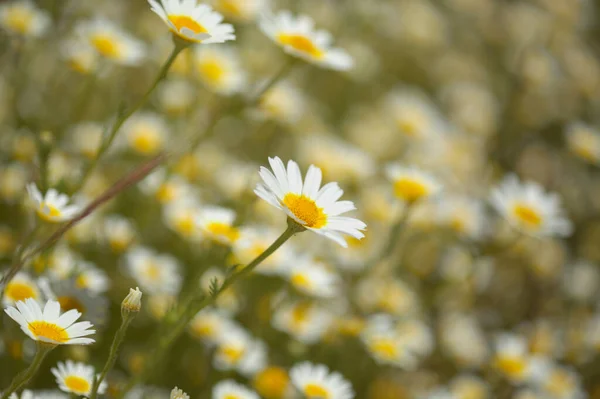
point(234, 354)
point(306, 210)
point(203, 329)
point(231, 396)
point(184, 21)
point(19, 291)
point(316, 391)
point(165, 193)
point(231, 7)
point(153, 271)
point(352, 327)
point(48, 212)
point(19, 19)
point(301, 43)
point(510, 365)
point(527, 215)
point(69, 302)
point(106, 45)
point(51, 331)
point(272, 382)
point(385, 348)
point(300, 313)
point(211, 71)
point(185, 225)
point(410, 190)
point(559, 383)
point(301, 281)
point(411, 125)
point(223, 230)
point(146, 141)
point(77, 384)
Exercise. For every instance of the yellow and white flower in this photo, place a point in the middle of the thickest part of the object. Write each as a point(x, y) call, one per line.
point(209, 326)
point(557, 382)
point(237, 350)
point(155, 273)
point(464, 215)
point(180, 216)
point(314, 208)
point(254, 241)
point(193, 22)
point(315, 381)
point(19, 288)
point(240, 10)
point(387, 346)
point(303, 320)
point(512, 357)
point(177, 393)
point(272, 383)
point(166, 189)
point(463, 340)
point(80, 56)
point(584, 141)
point(217, 224)
point(413, 114)
point(411, 184)
point(176, 96)
point(22, 17)
point(469, 386)
point(219, 68)
point(146, 133)
point(86, 138)
point(229, 389)
point(119, 232)
point(529, 209)
point(49, 325)
point(284, 103)
point(298, 37)
point(111, 42)
point(52, 207)
point(312, 278)
point(76, 378)
point(91, 278)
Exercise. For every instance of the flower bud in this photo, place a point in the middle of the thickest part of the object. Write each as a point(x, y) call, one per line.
point(132, 302)
point(178, 394)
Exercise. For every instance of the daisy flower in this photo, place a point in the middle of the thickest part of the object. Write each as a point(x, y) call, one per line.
point(317, 382)
point(529, 209)
point(284, 103)
point(76, 378)
point(19, 288)
point(219, 68)
point(217, 223)
point(411, 184)
point(145, 133)
point(298, 37)
point(413, 114)
point(512, 357)
point(119, 232)
point(386, 344)
point(177, 393)
point(49, 325)
point(314, 209)
point(303, 320)
point(165, 188)
point(111, 42)
point(272, 383)
point(230, 389)
point(79, 56)
point(86, 138)
point(52, 207)
point(313, 278)
point(237, 350)
point(155, 273)
point(464, 215)
point(254, 241)
point(193, 22)
point(584, 141)
point(210, 325)
point(22, 17)
point(240, 10)
point(181, 215)
point(92, 278)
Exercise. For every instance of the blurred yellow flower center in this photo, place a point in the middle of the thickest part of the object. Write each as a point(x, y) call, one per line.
point(77, 384)
point(528, 215)
point(69, 302)
point(316, 391)
point(411, 125)
point(559, 383)
point(384, 348)
point(185, 225)
point(146, 141)
point(203, 329)
point(231, 7)
point(19, 291)
point(272, 382)
point(300, 313)
point(301, 281)
point(153, 271)
point(410, 190)
point(512, 366)
point(306, 210)
point(48, 212)
point(19, 19)
point(106, 45)
point(165, 193)
point(301, 43)
point(211, 71)
point(183, 21)
point(234, 354)
point(223, 230)
point(44, 329)
point(231, 396)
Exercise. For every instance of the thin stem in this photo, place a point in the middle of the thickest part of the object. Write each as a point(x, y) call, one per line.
point(26, 375)
point(114, 351)
point(283, 72)
point(124, 115)
point(194, 307)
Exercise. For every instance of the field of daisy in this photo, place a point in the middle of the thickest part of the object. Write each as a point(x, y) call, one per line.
point(300, 199)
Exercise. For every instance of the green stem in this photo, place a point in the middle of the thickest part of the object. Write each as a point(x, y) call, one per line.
point(283, 72)
point(114, 351)
point(124, 115)
point(395, 232)
point(194, 307)
point(26, 375)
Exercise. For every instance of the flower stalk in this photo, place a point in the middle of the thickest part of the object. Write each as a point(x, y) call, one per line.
point(23, 378)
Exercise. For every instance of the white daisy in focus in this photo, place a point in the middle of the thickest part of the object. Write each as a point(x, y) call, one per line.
point(217, 224)
point(219, 68)
point(411, 184)
point(155, 273)
point(317, 382)
point(229, 389)
point(111, 42)
point(240, 10)
point(177, 393)
point(49, 325)
point(584, 141)
point(298, 37)
point(52, 207)
point(313, 278)
point(316, 209)
point(529, 209)
point(19, 288)
point(22, 17)
point(76, 378)
point(193, 22)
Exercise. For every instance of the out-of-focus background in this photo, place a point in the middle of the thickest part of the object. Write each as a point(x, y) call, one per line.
point(476, 300)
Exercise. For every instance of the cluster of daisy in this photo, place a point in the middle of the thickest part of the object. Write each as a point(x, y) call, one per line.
point(407, 210)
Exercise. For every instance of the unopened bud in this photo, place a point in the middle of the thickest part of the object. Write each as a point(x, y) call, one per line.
point(132, 302)
point(179, 394)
